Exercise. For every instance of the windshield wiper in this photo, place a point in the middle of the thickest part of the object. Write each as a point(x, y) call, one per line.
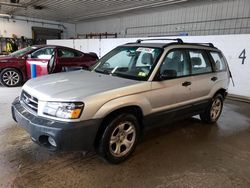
point(113, 71)
point(102, 71)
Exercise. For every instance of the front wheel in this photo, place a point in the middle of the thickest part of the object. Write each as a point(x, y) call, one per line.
point(119, 138)
point(11, 77)
point(214, 110)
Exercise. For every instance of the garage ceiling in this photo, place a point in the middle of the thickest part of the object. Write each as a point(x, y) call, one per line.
point(73, 11)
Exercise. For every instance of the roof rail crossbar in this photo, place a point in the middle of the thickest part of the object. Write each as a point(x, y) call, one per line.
point(208, 44)
point(177, 39)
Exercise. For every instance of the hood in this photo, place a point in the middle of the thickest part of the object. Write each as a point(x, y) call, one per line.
point(73, 85)
point(6, 58)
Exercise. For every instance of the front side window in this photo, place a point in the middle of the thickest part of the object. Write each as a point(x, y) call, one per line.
point(129, 62)
point(219, 61)
point(199, 62)
point(44, 53)
point(175, 62)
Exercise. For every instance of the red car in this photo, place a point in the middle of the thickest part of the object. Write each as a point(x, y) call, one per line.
point(16, 67)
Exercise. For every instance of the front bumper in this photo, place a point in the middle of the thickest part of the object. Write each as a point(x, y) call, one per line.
point(67, 135)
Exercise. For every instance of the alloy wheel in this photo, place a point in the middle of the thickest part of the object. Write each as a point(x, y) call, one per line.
point(216, 109)
point(11, 78)
point(122, 139)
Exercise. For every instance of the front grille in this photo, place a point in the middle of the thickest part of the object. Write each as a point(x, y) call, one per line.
point(29, 101)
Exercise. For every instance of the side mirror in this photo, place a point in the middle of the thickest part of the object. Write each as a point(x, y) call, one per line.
point(168, 74)
point(28, 56)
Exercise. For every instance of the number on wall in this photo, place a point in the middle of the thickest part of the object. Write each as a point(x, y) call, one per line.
point(243, 56)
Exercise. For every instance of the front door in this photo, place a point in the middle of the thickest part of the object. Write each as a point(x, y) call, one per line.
point(174, 92)
point(39, 58)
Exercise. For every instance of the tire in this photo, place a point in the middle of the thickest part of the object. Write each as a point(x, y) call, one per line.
point(213, 111)
point(119, 138)
point(11, 77)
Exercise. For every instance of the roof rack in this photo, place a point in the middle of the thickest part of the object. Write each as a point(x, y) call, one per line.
point(177, 39)
point(208, 44)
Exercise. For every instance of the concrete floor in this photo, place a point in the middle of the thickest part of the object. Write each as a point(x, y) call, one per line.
point(186, 154)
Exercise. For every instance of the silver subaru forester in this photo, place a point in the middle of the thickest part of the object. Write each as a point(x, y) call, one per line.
point(134, 86)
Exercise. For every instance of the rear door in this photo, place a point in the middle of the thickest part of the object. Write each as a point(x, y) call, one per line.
point(39, 58)
point(203, 77)
point(220, 67)
point(69, 60)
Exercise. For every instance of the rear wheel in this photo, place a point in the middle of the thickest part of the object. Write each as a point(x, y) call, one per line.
point(119, 138)
point(11, 77)
point(214, 110)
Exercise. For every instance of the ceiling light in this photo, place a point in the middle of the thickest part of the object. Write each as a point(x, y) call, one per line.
point(5, 16)
point(12, 4)
point(14, 1)
point(150, 5)
point(38, 7)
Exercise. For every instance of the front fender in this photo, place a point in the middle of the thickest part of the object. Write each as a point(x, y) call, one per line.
point(132, 100)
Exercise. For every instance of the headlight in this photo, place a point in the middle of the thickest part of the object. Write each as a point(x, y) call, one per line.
point(63, 109)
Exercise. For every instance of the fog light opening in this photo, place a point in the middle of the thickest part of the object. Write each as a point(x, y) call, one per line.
point(52, 141)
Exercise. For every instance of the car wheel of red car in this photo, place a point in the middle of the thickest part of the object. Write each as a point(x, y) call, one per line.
point(11, 77)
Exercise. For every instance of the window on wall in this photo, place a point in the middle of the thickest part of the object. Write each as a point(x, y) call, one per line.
point(41, 34)
point(199, 62)
point(219, 61)
point(176, 61)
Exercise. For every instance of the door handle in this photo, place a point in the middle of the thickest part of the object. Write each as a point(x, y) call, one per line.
point(187, 83)
point(214, 78)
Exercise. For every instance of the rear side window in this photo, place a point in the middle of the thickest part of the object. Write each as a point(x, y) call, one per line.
point(199, 62)
point(219, 61)
point(67, 53)
point(176, 61)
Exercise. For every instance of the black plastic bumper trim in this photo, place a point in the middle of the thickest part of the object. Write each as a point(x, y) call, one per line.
point(71, 136)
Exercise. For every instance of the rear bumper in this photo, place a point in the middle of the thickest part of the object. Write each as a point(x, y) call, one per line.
point(67, 135)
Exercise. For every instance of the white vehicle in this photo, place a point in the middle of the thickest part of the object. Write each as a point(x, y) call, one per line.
point(134, 86)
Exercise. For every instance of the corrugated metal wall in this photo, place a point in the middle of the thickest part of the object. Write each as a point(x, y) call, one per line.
point(203, 17)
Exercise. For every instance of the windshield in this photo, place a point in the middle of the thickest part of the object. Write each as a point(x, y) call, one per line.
point(23, 51)
point(129, 62)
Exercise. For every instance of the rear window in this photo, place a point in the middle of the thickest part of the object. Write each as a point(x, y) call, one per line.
point(219, 61)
